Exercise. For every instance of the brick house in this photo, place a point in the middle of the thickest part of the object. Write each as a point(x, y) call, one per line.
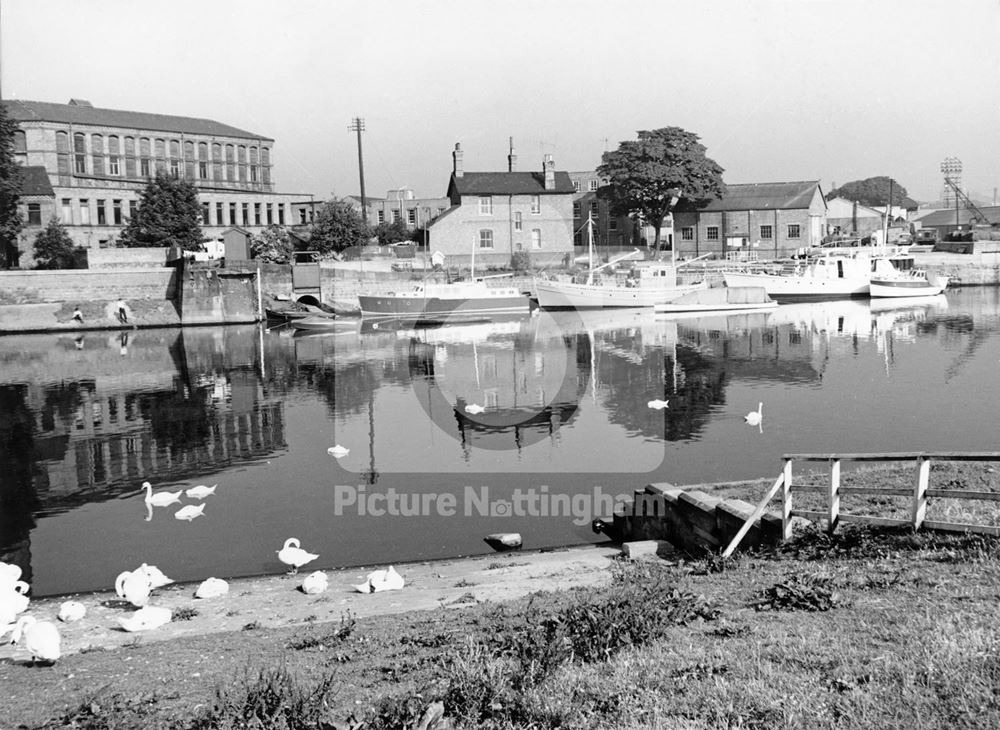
point(765, 220)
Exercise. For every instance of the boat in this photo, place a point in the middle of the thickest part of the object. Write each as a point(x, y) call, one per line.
point(643, 285)
point(319, 323)
point(285, 315)
point(824, 276)
point(718, 299)
point(898, 276)
point(437, 302)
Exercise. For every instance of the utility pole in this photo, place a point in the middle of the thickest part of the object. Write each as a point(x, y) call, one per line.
point(358, 125)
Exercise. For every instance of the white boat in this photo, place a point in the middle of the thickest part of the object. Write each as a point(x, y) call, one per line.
point(718, 299)
point(898, 276)
point(643, 285)
point(320, 323)
point(827, 276)
point(431, 301)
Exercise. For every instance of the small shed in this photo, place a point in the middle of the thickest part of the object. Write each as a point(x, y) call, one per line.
point(237, 244)
point(437, 259)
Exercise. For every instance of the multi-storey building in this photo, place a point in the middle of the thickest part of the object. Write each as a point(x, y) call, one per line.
point(98, 161)
point(608, 230)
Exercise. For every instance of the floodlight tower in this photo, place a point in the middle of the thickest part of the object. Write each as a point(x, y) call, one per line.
point(951, 168)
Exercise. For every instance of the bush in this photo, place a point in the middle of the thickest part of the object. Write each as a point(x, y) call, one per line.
point(520, 261)
point(54, 249)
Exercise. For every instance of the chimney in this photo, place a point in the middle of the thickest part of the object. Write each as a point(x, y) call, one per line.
point(549, 168)
point(457, 157)
point(511, 158)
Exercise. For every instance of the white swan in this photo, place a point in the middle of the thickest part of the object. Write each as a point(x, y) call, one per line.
point(9, 573)
point(292, 554)
point(201, 491)
point(316, 582)
point(149, 617)
point(155, 576)
point(160, 499)
point(474, 408)
point(39, 638)
point(338, 451)
point(212, 588)
point(72, 611)
point(14, 598)
point(381, 580)
point(657, 404)
point(133, 586)
point(755, 417)
point(189, 512)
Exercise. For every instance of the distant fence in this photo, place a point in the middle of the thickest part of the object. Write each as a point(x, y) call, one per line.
point(918, 494)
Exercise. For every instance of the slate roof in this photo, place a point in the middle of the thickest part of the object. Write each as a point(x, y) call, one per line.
point(42, 111)
point(508, 183)
point(765, 196)
point(35, 181)
point(946, 217)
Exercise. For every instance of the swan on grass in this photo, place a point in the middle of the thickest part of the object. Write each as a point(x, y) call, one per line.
point(38, 638)
point(156, 577)
point(657, 404)
point(381, 580)
point(160, 499)
point(316, 582)
point(189, 512)
point(292, 554)
point(146, 618)
point(212, 588)
point(201, 491)
point(71, 611)
point(133, 586)
point(14, 598)
point(9, 573)
point(754, 418)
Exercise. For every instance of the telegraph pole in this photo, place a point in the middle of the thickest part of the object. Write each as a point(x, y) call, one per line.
point(358, 125)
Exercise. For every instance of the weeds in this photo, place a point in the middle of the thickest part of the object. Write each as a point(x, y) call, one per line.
point(330, 639)
point(108, 712)
point(185, 614)
point(799, 593)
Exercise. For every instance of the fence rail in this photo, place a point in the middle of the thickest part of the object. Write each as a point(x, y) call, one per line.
point(832, 515)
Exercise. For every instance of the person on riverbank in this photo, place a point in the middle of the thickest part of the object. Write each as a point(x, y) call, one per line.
point(77, 315)
point(122, 312)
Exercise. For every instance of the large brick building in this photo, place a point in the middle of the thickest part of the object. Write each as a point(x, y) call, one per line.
point(96, 163)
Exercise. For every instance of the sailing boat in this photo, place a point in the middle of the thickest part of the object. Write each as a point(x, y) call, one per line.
point(643, 286)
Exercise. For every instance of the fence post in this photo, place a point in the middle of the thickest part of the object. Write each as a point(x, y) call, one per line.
point(920, 491)
point(786, 502)
point(833, 514)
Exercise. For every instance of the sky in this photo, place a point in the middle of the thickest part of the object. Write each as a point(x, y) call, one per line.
point(777, 90)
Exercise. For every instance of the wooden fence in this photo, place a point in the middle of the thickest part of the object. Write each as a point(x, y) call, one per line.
point(918, 494)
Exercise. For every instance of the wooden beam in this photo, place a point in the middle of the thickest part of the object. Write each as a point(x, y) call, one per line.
point(758, 511)
point(833, 506)
point(919, 509)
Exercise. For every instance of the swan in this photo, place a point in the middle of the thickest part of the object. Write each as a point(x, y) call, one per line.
point(474, 408)
point(201, 491)
point(316, 582)
point(189, 512)
point(160, 499)
point(72, 611)
point(293, 554)
point(156, 577)
point(755, 417)
point(13, 598)
point(134, 587)
point(381, 580)
point(212, 588)
point(9, 573)
point(40, 638)
point(657, 404)
point(338, 451)
point(149, 617)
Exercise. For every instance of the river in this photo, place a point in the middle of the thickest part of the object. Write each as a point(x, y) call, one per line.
point(534, 425)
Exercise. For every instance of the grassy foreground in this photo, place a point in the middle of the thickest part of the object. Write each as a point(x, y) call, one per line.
point(867, 628)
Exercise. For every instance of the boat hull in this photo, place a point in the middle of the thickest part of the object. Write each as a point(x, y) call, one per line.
point(801, 287)
point(569, 295)
point(322, 324)
point(913, 287)
point(432, 307)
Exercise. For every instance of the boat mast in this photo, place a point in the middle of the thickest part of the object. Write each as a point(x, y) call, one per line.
point(885, 223)
point(590, 247)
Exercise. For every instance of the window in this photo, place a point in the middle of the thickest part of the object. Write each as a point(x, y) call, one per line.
point(592, 185)
point(302, 215)
point(395, 216)
point(486, 238)
point(202, 170)
point(766, 232)
point(256, 214)
point(230, 162)
point(79, 154)
point(97, 153)
point(114, 162)
point(63, 155)
point(129, 157)
point(712, 233)
point(160, 153)
point(116, 211)
point(246, 214)
point(84, 212)
point(793, 230)
point(536, 204)
point(265, 164)
point(175, 167)
point(216, 161)
point(144, 157)
point(34, 214)
point(577, 239)
point(67, 211)
point(133, 208)
point(206, 209)
point(485, 205)
point(381, 216)
point(232, 214)
point(270, 213)
point(20, 144)
point(517, 221)
point(576, 186)
point(612, 224)
point(253, 165)
point(577, 209)
point(536, 237)
point(102, 215)
point(411, 216)
point(218, 214)
point(595, 210)
point(281, 214)
point(687, 233)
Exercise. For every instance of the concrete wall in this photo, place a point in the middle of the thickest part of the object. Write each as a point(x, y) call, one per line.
point(110, 258)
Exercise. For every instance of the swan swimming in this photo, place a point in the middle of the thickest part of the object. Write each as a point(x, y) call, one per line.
point(212, 588)
point(72, 611)
point(201, 491)
point(189, 512)
point(149, 617)
point(657, 404)
point(338, 451)
point(160, 499)
point(316, 582)
point(381, 580)
point(293, 554)
point(156, 577)
point(755, 417)
point(474, 408)
point(39, 638)
point(133, 586)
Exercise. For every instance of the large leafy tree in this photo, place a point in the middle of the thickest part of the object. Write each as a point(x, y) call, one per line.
point(54, 249)
point(168, 214)
point(872, 191)
point(387, 233)
point(647, 177)
point(11, 222)
point(272, 245)
point(338, 225)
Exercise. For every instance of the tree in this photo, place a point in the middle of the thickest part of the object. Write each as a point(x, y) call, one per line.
point(392, 232)
point(872, 191)
point(54, 249)
point(272, 245)
point(338, 225)
point(11, 222)
point(648, 177)
point(168, 215)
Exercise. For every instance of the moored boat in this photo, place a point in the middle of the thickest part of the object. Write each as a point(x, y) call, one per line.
point(431, 301)
point(718, 299)
point(318, 323)
point(898, 276)
point(827, 276)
